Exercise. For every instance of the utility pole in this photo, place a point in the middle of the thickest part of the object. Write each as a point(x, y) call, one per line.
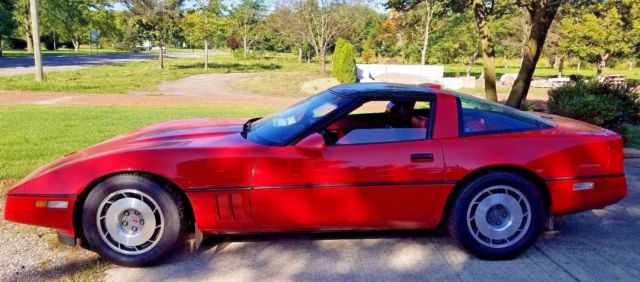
point(35, 27)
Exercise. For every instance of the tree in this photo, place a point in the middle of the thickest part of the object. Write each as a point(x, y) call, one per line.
point(69, 18)
point(418, 21)
point(541, 15)
point(457, 42)
point(159, 18)
point(285, 21)
point(323, 20)
point(22, 17)
point(482, 9)
point(245, 18)
point(596, 33)
point(7, 24)
point(35, 27)
point(344, 62)
point(205, 24)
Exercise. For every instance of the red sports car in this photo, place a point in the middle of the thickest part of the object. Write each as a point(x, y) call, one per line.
point(354, 157)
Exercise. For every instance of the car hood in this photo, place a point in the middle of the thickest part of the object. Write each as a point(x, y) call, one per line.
point(177, 133)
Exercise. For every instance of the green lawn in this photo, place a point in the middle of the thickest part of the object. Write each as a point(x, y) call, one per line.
point(144, 75)
point(33, 135)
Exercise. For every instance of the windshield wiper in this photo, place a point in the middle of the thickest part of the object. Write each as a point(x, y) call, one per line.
point(247, 126)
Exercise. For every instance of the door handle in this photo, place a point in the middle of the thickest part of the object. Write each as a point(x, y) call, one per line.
point(424, 157)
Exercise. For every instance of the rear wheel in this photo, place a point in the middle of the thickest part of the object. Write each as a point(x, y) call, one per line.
point(497, 215)
point(131, 220)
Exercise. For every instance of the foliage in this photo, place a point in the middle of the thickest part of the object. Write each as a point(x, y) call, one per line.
point(16, 43)
point(599, 31)
point(70, 19)
point(630, 135)
point(344, 62)
point(7, 24)
point(595, 103)
point(244, 21)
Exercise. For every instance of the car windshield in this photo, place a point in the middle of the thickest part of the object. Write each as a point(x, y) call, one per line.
point(282, 126)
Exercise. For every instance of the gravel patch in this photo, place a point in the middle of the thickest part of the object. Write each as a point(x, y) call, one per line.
point(33, 254)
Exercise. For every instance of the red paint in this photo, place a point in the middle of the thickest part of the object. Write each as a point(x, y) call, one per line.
point(237, 186)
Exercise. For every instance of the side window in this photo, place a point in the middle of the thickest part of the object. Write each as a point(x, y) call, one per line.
point(479, 116)
point(381, 121)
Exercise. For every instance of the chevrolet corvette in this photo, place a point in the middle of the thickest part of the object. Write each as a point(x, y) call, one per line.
point(354, 157)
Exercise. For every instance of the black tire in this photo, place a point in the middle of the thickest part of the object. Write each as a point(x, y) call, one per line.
point(166, 217)
point(466, 215)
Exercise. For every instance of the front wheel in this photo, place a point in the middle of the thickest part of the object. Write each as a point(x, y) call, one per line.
point(131, 220)
point(497, 215)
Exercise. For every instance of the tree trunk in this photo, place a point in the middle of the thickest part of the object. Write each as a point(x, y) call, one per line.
point(472, 62)
point(245, 45)
point(488, 52)
point(425, 43)
point(579, 64)
point(55, 45)
point(505, 61)
point(602, 63)
point(29, 41)
point(35, 29)
point(322, 59)
point(561, 66)
point(206, 55)
point(76, 43)
point(0, 44)
point(300, 55)
point(161, 56)
point(542, 15)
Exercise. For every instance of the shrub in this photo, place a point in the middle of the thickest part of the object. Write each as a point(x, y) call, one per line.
point(630, 134)
point(16, 43)
point(232, 43)
point(595, 103)
point(344, 62)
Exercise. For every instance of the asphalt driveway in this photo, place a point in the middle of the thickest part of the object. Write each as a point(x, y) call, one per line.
point(22, 65)
point(591, 246)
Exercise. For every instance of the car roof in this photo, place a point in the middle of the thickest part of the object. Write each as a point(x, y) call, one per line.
point(381, 90)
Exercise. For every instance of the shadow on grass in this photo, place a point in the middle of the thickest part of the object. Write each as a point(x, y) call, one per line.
point(232, 66)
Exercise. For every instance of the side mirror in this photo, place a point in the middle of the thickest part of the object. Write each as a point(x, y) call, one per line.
point(312, 143)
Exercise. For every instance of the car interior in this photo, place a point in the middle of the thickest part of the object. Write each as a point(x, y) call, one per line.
point(398, 121)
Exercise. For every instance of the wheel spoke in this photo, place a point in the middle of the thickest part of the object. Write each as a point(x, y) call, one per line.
point(498, 216)
point(120, 220)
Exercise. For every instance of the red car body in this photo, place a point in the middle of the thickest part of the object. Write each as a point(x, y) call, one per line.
point(237, 186)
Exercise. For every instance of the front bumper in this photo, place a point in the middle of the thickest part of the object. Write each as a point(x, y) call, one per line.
point(28, 209)
point(606, 191)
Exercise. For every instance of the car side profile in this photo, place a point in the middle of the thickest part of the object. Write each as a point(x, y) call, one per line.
point(369, 156)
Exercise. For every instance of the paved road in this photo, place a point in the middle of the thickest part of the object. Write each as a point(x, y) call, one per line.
point(590, 246)
point(21, 65)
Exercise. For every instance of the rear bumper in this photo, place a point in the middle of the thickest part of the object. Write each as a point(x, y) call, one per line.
point(22, 208)
point(606, 191)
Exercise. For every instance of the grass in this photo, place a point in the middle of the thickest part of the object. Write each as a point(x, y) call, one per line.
point(143, 75)
point(277, 82)
point(33, 135)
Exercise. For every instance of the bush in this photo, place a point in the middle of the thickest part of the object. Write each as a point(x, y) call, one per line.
point(595, 103)
point(344, 62)
point(630, 134)
point(16, 43)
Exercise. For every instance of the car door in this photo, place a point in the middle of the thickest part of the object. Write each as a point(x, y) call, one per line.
point(372, 177)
